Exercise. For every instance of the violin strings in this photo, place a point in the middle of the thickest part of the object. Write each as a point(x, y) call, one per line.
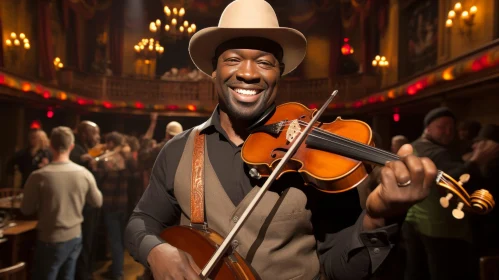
point(369, 149)
point(359, 146)
point(443, 179)
point(360, 153)
point(374, 149)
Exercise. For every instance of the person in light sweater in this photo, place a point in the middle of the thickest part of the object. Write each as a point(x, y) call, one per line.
point(57, 193)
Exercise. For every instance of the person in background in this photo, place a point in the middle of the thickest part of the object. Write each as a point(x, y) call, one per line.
point(172, 129)
point(435, 241)
point(87, 136)
point(57, 193)
point(113, 177)
point(467, 131)
point(35, 156)
point(397, 142)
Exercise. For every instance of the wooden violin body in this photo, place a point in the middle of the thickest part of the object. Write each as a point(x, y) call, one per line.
point(201, 245)
point(327, 171)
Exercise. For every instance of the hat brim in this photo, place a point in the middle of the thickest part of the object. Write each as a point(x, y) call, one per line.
point(204, 43)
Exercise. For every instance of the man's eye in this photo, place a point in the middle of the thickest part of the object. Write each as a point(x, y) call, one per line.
point(264, 62)
point(232, 59)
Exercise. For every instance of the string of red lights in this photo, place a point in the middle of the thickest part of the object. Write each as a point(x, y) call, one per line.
point(484, 60)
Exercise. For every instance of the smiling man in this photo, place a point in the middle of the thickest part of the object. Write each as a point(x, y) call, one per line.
point(295, 232)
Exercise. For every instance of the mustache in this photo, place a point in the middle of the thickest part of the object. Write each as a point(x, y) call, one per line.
point(247, 85)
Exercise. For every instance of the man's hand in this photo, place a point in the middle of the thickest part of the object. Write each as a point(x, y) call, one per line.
point(484, 151)
point(168, 262)
point(86, 157)
point(403, 184)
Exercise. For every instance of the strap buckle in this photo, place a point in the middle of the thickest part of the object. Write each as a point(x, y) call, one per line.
point(202, 227)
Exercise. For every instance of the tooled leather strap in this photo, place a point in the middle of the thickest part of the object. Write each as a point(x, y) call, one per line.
point(197, 180)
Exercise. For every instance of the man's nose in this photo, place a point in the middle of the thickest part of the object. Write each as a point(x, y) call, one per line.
point(247, 72)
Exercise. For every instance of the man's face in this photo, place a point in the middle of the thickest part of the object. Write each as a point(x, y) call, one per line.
point(441, 130)
point(246, 82)
point(93, 136)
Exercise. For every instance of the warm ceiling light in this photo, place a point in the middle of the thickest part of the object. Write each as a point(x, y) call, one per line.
point(13, 35)
point(175, 11)
point(186, 24)
point(181, 12)
point(167, 27)
point(174, 21)
point(448, 23)
point(158, 22)
point(465, 15)
point(16, 42)
point(60, 65)
point(189, 30)
point(181, 29)
point(452, 14)
point(22, 36)
point(27, 46)
point(137, 48)
point(8, 42)
point(473, 10)
point(152, 27)
point(458, 7)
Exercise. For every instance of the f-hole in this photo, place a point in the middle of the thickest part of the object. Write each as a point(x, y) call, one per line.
point(278, 150)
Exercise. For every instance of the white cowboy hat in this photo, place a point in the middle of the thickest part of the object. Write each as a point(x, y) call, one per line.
point(247, 18)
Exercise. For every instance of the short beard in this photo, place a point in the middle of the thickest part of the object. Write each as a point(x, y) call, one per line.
point(246, 116)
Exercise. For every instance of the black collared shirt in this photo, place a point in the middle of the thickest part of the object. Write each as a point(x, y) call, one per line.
point(345, 250)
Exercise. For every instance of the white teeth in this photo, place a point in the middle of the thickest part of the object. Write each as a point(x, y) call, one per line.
point(246, 91)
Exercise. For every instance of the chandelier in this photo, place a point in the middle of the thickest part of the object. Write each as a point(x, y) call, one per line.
point(148, 49)
point(175, 25)
point(17, 41)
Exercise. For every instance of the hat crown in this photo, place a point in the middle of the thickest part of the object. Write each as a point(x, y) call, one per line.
point(248, 14)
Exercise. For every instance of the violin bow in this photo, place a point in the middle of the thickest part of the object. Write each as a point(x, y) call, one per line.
point(230, 236)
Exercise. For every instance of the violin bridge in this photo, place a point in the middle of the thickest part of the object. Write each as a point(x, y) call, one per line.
point(293, 130)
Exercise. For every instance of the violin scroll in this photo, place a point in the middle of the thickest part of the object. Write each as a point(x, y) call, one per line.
point(480, 202)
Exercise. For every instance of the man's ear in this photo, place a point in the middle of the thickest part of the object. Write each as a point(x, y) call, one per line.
point(214, 75)
point(281, 67)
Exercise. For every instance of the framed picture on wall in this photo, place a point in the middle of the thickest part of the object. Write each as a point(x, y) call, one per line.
point(418, 37)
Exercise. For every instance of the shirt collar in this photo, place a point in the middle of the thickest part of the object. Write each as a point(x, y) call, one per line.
point(212, 123)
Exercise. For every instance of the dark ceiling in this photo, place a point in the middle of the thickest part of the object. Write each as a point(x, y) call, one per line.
point(293, 13)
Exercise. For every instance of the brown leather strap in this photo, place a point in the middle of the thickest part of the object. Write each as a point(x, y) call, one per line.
point(197, 180)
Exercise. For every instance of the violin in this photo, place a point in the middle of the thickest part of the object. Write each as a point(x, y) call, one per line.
point(331, 157)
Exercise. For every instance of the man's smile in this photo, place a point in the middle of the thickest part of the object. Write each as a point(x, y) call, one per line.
point(245, 94)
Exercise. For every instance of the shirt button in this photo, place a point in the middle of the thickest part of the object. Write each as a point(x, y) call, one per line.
point(374, 240)
point(376, 250)
point(235, 219)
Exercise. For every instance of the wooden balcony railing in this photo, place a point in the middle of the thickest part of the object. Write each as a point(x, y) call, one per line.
point(355, 91)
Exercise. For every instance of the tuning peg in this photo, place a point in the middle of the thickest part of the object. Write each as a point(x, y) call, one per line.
point(464, 179)
point(444, 200)
point(458, 212)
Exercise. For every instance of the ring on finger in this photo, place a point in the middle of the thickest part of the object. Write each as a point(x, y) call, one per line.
point(404, 184)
